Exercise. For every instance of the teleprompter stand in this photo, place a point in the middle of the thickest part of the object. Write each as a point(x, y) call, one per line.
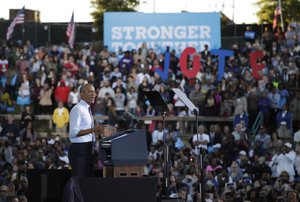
point(182, 96)
point(160, 106)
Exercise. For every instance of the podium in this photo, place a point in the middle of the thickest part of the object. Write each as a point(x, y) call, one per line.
point(124, 154)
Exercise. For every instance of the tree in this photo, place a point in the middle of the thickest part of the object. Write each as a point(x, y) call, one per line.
point(289, 8)
point(102, 6)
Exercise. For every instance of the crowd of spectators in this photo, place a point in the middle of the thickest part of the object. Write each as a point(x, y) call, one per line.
point(238, 162)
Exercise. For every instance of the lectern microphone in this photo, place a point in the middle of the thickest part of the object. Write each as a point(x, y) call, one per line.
point(130, 117)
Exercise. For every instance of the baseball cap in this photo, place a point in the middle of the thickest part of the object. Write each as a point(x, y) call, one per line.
point(287, 144)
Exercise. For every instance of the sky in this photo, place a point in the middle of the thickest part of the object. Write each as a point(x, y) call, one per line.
point(61, 10)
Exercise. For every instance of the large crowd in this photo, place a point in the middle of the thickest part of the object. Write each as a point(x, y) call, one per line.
point(240, 163)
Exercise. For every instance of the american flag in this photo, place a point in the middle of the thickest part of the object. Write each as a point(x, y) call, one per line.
point(277, 12)
point(19, 19)
point(71, 31)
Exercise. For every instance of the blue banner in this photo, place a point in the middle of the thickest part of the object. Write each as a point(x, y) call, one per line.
point(127, 31)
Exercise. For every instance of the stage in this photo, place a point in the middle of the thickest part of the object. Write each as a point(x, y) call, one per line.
point(58, 185)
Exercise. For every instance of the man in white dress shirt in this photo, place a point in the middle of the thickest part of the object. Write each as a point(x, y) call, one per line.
point(81, 133)
point(158, 134)
point(285, 161)
point(200, 140)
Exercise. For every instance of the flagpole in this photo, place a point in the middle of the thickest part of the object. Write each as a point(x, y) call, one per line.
point(23, 27)
point(19, 19)
point(282, 25)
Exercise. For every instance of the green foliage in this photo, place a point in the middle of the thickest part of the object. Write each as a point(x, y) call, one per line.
point(290, 10)
point(102, 6)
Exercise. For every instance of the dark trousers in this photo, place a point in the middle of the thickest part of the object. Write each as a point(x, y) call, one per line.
point(252, 117)
point(81, 159)
point(273, 113)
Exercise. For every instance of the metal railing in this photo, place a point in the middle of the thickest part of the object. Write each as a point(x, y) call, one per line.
point(182, 120)
point(258, 121)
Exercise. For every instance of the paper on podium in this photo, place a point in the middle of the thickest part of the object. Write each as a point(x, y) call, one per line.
point(182, 96)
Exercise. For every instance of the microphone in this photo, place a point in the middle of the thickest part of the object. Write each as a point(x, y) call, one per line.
point(130, 117)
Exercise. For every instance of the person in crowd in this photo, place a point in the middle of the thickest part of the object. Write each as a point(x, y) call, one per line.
point(10, 130)
point(158, 134)
point(215, 138)
point(238, 132)
point(126, 63)
point(61, 92)
point(240, 116)
point(244, 161)
point(24, 92)
point(240, 102)
point(226, 105)
point(284, 161)
point(45, 103)
point(235, 173)
point(275, 143)
point(26, 117)
point(100, 107)
point(290, 36)
point(253, 107)
point(132, 100)
point(274, 97)
point(61, 118)
point(144, 86)
point(73, 97)
point(210, 104)
point(262, 137)
point(284, 123)
point(106, 89)
point(112, 113)
point(164, 93)
point(28, 133)
point(297, 136)
point(119, 84)
point(120, 101)
point(295, 109)
point(198, 98)
point(264, 107)
point(284, 95)
point(214, 166)
point(112, 59)
point(71, 66)
point(200, 140)
point(35, 95)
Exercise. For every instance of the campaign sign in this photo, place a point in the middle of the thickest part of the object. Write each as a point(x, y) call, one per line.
point(128, 30)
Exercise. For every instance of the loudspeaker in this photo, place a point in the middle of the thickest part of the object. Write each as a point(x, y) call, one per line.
point(110, 189)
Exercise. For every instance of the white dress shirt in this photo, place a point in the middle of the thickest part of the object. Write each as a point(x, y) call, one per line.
point(156, 136)
point(285, 162)
point(297, 136)
point(80, 119)
point(200, 137)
